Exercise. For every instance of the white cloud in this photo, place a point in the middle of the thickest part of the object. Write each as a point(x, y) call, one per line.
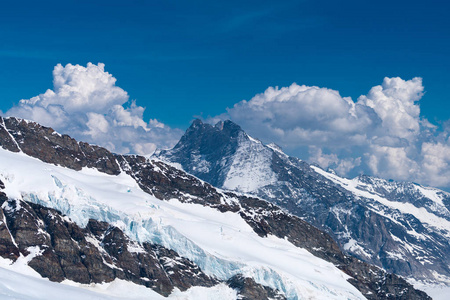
point(395, 103)
point(97, 124)
point(301, 115)
point(382, 133)
point(86, 104)
point(341, 166)
point(436, 162)
point(392, 162)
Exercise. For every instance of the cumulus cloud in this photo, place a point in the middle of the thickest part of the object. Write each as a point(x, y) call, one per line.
point(303, 115)
point(436, 162)
point(395, 103)
point(86, 104)
point(382, 133)
point(341, 166)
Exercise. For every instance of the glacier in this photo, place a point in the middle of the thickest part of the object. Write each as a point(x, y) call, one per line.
point(221, 244)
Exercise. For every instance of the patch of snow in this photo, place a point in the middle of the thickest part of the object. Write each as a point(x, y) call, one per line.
point(17, 286)
point(277, 149)
point(200, 164)
point(353, 246)
point(252, 139)
point(175, 165)
point(430, 193)
point(250, 168)
point(218, 292)
point(395, 255)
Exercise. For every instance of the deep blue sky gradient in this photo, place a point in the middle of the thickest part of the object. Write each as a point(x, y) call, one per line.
point(182, 59)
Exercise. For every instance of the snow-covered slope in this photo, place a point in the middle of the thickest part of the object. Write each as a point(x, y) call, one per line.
point(222, 244)
point(402, 227)
point(431, 211)
point(250, 167)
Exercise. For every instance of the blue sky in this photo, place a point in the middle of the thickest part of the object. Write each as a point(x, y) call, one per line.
point(203, 56)
point(184, 59)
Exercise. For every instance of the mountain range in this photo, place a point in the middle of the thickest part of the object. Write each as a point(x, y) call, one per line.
point(400, 226)
point(101, 223)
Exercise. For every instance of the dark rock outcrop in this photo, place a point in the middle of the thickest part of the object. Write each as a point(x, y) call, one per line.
point(204, 142)
point(249, 290)
point(49, 146)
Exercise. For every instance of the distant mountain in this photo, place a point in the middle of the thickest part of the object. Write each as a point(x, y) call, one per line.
point(401, 227)
point(73, 211)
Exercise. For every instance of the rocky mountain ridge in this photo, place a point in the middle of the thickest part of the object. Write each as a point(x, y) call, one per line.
point(163, 182)
point(402, 227)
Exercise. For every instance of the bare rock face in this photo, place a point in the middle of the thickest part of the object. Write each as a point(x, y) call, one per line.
point(249, 289)
point(7, 245)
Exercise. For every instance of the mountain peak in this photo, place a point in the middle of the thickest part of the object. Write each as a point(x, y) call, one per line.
point(196, 123)
point(222, 152)
point(227, 124)
point(219, 125)
point(226, 130)
point(229, 128)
